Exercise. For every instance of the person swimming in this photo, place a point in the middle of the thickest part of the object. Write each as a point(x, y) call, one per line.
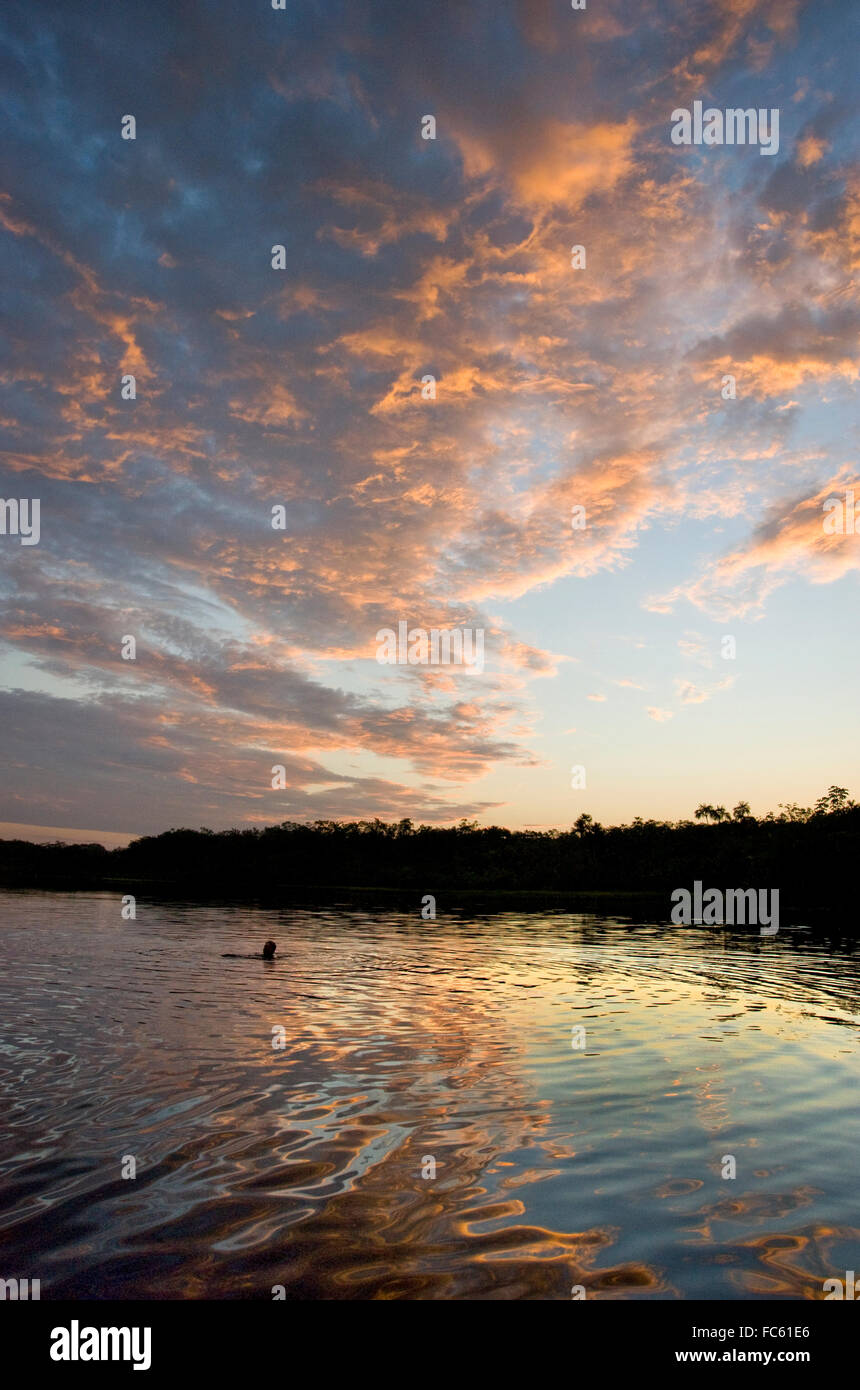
point(269, 950)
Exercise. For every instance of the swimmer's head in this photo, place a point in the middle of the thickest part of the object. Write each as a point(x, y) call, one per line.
point(269, 950)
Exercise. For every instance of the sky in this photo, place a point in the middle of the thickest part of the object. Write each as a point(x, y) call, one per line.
point(690, 636)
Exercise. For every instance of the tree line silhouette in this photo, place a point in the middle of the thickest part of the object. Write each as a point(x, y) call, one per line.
point(808, 853)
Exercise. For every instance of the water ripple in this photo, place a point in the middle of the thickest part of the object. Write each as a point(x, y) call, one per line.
point(409, 1047)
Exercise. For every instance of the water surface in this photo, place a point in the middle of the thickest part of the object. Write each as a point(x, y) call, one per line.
point(409, 1044)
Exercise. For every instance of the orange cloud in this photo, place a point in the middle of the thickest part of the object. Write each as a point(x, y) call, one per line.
point(793, 542)
point(659, 715)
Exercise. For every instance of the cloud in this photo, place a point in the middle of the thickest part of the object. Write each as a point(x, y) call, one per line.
point(556, 388)
point(693, 645)
point(792, 542)
point(810, 150)
point(690, 694)
point(773, 354)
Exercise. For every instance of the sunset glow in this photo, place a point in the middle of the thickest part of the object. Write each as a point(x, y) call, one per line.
point(408, 258)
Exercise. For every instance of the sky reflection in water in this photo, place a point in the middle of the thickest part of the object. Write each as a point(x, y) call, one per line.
point(406, 1040)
